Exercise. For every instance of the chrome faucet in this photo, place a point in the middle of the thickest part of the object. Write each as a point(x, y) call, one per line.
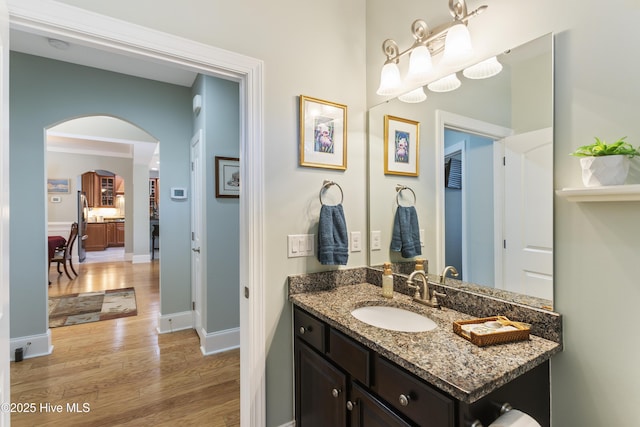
point(428, 297)
point(452, 269)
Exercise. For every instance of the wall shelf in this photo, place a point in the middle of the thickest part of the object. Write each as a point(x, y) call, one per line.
point(613, 193)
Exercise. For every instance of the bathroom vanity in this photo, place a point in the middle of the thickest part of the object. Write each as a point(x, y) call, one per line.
point(351, 373)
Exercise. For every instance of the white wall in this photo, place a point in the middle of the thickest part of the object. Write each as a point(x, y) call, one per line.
point(595, 380)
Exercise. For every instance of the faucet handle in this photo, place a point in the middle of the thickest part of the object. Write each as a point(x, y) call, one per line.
point(411, 285)
point(435, 302)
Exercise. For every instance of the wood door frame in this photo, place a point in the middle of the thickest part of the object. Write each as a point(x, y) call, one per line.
point(105, 33)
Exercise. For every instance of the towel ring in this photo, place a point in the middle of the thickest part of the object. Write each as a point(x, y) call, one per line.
point(325, 185)
point(399, 189)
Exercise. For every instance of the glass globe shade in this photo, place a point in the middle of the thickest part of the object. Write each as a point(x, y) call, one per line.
point(390, 81)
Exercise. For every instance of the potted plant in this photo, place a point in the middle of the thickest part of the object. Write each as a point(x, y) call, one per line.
point(605, 164)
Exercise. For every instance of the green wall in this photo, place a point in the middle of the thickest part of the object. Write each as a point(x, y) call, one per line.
point(45, 92)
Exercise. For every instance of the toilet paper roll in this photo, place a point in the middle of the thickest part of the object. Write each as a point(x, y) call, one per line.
point(514, 418)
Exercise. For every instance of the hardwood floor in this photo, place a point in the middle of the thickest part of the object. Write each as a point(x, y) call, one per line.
point(122, 372)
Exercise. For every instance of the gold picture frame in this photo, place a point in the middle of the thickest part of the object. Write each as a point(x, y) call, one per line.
point(401, 146)
point(323, 134)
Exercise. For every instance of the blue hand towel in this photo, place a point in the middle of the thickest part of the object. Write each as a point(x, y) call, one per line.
point(406, 232)
point(333, 246)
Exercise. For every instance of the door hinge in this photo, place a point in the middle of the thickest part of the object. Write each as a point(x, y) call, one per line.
point(193, 235)
point(193, 305)
point(504, 161)
point(246, 292)
point(191, 166)
point(504, 244)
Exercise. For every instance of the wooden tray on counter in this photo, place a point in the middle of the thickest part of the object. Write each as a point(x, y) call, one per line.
point(519, 333)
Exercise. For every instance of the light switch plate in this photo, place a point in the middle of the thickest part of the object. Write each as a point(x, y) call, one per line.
point(300, 245)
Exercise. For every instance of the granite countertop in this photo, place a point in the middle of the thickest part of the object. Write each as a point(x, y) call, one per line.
point(440, 357)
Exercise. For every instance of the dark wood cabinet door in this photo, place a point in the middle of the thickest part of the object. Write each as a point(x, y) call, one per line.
point(367, 411)
point(96, 236)
point(321, 390)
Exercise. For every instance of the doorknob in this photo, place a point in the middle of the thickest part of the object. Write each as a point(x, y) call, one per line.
point(196, 250)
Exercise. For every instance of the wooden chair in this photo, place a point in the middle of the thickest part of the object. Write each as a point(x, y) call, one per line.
point(64, 254)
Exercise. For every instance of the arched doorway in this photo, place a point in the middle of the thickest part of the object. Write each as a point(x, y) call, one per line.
point(99, 153)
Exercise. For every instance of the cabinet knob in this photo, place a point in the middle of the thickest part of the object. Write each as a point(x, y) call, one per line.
point(335, 392)
point(351, 405)
point(303, 330)
point(404, 400)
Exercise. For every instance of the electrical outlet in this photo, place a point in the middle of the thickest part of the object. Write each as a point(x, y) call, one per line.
point(356, 241)
point(376, 240)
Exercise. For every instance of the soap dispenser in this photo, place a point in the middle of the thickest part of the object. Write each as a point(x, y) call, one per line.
point(387, 281)
point(420, 264)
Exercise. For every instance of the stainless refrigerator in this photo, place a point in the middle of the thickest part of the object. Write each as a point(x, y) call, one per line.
point(83, 215)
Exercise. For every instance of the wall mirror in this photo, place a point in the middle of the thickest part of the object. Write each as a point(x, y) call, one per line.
point(484, 190)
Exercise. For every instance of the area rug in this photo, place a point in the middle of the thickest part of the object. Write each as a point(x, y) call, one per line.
point(74, 309)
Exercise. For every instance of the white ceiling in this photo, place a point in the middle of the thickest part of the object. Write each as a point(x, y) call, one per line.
point(34, 44)
point(104, 135)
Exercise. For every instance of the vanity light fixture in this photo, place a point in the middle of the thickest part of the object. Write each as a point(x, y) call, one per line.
point(445, 84)
point(484, 69)
point(452, 37)
point(414, 97)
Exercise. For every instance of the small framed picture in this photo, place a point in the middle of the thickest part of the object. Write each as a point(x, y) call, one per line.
point(323, 134)
point(57, 185)
point(227, 177)
point(401, 144)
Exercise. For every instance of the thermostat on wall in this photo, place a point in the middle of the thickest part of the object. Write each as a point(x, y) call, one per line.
point(178, 193)
point(56, 199)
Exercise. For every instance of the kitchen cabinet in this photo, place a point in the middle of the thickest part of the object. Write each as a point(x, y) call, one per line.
point(340, 382)
point(100, 189)
point(115, 233)
point(101, 235)
point(96, 236)
point(119, 233)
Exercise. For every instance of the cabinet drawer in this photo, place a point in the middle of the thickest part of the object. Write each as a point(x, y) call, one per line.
point(309, 329)
point(412, 397)
point(351, 356)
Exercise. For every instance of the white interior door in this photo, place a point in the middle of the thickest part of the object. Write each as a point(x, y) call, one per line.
point(528, 197)
point(196, 232)
point(4, 212)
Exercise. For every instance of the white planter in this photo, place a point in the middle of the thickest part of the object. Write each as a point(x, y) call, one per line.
point(604, 170)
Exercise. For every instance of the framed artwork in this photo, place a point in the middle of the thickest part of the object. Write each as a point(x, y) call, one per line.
point(401, 144)
point(323, 134)
point(227, 177)
point(57, 185)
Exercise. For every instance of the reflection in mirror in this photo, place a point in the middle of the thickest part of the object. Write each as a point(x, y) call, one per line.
point(484, 190)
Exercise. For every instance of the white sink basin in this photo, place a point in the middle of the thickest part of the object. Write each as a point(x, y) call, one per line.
point(393, 318)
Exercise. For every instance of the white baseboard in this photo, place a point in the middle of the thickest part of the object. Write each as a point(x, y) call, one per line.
point(40, 345)
point(219, 341)
point(289, 424)
point(140, 259)
point(174, 322)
